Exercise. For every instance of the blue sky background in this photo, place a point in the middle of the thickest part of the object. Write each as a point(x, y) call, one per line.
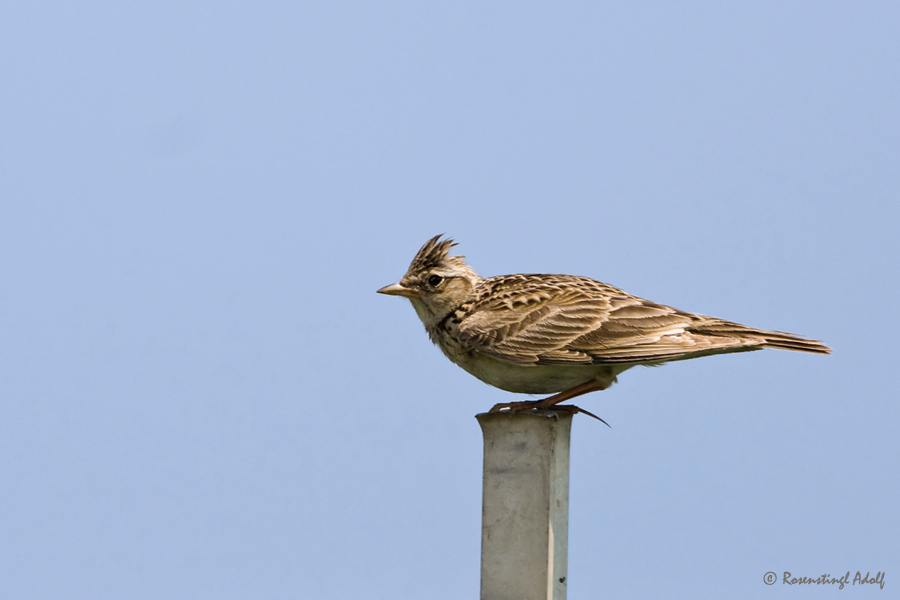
point(203, 397)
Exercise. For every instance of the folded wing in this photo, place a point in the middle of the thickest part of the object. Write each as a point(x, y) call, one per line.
point(560, 319)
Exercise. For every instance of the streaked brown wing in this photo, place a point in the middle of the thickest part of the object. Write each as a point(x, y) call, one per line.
point(575, 320)
point(534, 333)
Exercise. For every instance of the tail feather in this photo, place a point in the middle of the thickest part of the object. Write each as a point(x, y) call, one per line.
point(768, 339)
point(788, 341)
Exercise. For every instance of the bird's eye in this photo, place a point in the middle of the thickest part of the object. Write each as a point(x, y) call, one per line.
point(435, 280)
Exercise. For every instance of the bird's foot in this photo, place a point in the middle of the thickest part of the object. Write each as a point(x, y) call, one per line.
point(511, 408)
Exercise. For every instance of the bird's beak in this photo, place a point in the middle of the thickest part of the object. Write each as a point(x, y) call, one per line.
point(398, 290)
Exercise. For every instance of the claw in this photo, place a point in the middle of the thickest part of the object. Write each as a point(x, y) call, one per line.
point(577, 409)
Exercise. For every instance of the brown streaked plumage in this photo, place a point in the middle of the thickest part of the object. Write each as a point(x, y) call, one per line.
point(559, 334)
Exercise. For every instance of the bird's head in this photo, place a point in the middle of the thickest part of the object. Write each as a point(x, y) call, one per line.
point(436, 283)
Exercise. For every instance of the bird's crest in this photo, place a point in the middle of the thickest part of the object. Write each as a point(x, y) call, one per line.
point(435, 253)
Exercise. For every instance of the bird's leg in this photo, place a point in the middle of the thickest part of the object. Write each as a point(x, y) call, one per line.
point(551, 403)
point(583, 388)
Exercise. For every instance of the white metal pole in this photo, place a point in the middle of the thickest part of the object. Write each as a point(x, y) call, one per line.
point(525, 505)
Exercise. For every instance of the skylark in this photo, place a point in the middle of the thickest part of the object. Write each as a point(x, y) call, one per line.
point(559, 334)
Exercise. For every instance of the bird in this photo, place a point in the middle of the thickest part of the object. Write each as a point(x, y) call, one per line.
point(564, 335)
